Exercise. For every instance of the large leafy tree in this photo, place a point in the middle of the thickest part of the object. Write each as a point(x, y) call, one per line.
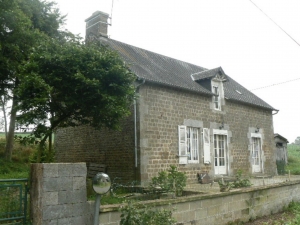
point(53, 79)
point(23, 24)
point(72, 84)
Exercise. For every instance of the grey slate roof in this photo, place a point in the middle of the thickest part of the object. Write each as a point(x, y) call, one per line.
point(281, 137)
point(161, 69)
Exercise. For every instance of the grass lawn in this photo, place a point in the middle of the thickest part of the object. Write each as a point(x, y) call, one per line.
point(293, 159)
point(13, 170)
point(19, 167)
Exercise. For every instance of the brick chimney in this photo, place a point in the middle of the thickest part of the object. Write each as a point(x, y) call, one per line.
point(96, 25)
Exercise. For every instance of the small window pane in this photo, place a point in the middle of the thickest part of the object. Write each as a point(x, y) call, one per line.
point(222, 162)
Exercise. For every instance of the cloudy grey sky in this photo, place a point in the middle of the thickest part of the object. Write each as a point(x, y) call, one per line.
point(233, 34)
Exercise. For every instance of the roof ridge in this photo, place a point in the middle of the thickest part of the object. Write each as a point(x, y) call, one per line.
point(132, 46)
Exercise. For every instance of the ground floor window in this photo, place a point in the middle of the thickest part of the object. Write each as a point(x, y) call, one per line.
point(189, 143)
point(193, 144)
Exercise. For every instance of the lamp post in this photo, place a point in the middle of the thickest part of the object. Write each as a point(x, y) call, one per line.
point(101, 185)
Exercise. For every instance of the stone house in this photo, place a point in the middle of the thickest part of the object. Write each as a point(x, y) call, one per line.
point(199, 119)
point(281, 148)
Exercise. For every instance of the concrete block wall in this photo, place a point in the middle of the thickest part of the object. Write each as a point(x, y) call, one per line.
point(58, 197)
point(220, 208)
point(58, 194)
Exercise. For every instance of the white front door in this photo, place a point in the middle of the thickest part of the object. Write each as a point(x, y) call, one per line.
point(256, 155)
point(220, 148)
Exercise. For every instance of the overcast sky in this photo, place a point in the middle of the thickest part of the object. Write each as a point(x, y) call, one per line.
point(233, 34)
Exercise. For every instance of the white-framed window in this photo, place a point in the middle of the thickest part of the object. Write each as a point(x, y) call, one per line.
point(216, 97)
point(188, 144)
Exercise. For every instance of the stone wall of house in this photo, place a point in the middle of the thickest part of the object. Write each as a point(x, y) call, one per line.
point(115, 149)
point(162, 109)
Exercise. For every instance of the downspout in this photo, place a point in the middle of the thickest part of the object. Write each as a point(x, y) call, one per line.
point(276, 111)
point(135, 126)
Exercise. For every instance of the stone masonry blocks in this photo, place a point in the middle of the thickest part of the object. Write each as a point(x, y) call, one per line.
point(160, 110)
point(59, 191)
point(224, 208)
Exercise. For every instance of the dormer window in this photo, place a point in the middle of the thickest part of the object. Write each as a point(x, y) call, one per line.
point(213, 80)
point(216, 97)
point(217, 90)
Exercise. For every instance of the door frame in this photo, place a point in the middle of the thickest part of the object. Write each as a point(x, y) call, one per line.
point(260, 154)
point(225, 133)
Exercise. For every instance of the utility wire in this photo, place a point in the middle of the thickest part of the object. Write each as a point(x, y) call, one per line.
point(275, 23)
point(276, 84)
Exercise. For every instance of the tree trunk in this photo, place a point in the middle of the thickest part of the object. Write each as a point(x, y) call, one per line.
point(3, 104)
point(41, 149)
point(11, 132)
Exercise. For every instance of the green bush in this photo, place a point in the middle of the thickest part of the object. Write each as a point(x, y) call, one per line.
point(131, 214)
point(46, 156)
point(169, 181)
point(294, 207)
point(238, 183)
point(241, 182)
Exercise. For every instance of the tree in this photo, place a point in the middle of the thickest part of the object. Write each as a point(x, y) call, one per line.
point(54, 79)
point(297, 141)
point(3, 122)
point(23, 24)
point(69, 83)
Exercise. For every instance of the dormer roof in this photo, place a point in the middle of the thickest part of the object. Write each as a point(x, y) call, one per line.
point(216, 73)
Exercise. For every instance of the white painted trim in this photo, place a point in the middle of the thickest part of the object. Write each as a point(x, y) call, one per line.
point(222, 132)
point(257, 135)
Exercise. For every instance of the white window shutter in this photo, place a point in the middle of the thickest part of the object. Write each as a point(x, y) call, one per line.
point(206, 146)
point(182, 145)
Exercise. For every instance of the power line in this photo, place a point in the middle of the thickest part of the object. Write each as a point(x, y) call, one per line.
point(276, 84)
point(275, 23)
